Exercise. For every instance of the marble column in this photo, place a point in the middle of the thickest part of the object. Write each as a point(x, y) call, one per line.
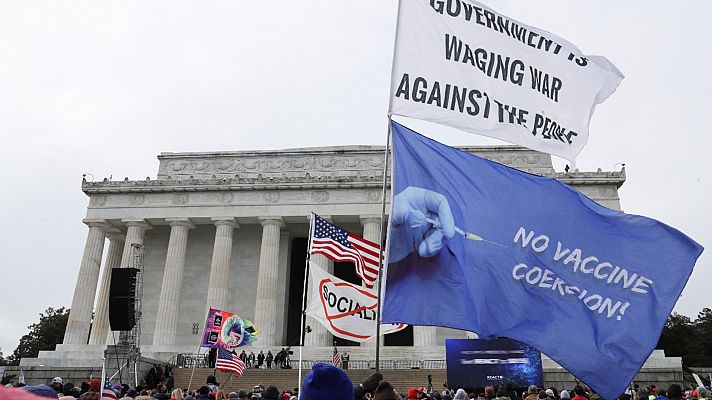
point(218, 287)
point(100, 326)
point(424, 336)
point(267, 279)
point(319, 335)
point(371, 231)
point(135, 232)
point(169, 302)
point(77, 330)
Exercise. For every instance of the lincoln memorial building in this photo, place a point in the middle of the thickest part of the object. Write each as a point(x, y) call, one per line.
point(228, 230)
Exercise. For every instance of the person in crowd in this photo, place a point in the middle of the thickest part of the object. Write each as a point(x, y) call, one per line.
point(565, 395)
point(56, 385)
point(661, 394)
point(702, 393)
point(69, 392)
point(652, 393)
point(271, 393)
point(533, 393)
point(269, 359)
point(242, 395)
point(674, 392)
point(243, 356)
point(203, 393)
point(460, 394)
point(212, 357)
point(93, 390)
point(152, 377)
point(579, 393)
point(131, 394)
point(212, 383)
point(326, 382)
point(251, 360)
point(385, 391)
point(345, 361)
point(489, 392)
point(162, 392)
point(220, 395)
point(260, 359)
point(160, 375)
point(170, 381)
point(412, 394)
point(502, 394)
point(177, 394)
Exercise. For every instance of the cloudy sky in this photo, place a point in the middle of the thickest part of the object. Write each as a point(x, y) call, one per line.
point(101, 87)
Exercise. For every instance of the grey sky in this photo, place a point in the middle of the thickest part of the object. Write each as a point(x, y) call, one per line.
point(102, 87)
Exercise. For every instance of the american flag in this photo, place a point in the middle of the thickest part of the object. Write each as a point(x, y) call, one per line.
point(341, 245)
point(336, 359)
point(227, 361)
point(107, 393)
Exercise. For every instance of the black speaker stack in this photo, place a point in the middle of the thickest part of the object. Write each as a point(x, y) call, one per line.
point(122, 299)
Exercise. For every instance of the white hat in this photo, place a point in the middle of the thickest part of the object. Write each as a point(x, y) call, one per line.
point(57, 380)
point(549, 392)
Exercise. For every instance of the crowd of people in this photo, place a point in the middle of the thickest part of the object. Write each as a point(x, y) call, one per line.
point(326, 382)
point(269, 361)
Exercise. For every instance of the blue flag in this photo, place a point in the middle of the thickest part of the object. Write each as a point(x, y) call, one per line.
point(479, 246)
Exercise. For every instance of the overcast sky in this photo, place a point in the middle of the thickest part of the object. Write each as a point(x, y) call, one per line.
point(101, 87)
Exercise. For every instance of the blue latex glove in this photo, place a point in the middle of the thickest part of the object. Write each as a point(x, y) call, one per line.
point(411, 232)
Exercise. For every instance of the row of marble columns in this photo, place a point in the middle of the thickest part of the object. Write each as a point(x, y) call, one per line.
point(119, 256)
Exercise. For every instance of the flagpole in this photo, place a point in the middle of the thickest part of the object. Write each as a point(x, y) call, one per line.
point(380, 243)
point(190, 382)
point(302, 334)
point(226, 381)
point(103, 375)
point(383, 197)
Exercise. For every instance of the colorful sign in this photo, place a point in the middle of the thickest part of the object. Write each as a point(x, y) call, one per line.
point(348, 311)
point(227, 330)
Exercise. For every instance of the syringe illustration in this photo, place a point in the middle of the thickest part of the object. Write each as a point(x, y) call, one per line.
point(465, 234)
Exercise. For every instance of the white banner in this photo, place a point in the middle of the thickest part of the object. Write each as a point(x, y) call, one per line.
point(461, 64)
point(346, 310)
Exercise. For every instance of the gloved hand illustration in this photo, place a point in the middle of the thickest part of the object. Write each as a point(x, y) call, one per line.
point(410, 230)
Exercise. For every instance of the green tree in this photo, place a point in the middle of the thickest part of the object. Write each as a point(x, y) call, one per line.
point(702, 352)
point(677, 337)
point(44, 335)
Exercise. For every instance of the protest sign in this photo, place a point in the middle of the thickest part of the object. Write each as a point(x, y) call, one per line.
point(462, 64)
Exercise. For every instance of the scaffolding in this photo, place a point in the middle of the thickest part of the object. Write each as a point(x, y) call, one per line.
point(125, 354)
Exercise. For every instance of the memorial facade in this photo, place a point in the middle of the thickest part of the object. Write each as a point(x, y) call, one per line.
point(228, 230)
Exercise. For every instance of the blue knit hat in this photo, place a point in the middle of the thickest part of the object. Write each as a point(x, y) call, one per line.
point(326, 382)
point(42, 391)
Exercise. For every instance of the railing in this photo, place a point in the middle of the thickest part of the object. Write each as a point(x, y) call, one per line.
point(201, 361)
point(192, 361)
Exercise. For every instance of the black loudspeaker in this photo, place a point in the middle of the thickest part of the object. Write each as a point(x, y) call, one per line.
point(122, 299)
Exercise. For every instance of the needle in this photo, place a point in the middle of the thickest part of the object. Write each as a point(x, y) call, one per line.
point(465, 234)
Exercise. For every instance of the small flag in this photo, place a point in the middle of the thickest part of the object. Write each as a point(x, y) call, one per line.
point(336, 359)
point(338, 244)
point(228, 361)
point(107, 393)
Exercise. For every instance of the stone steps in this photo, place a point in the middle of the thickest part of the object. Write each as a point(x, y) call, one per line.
point(286, 379)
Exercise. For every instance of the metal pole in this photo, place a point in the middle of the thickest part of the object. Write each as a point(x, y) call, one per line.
point(383, 196)
point(380, 259)
point(304, 304)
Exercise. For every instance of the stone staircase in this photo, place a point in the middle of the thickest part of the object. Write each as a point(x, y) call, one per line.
point(286, 379)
